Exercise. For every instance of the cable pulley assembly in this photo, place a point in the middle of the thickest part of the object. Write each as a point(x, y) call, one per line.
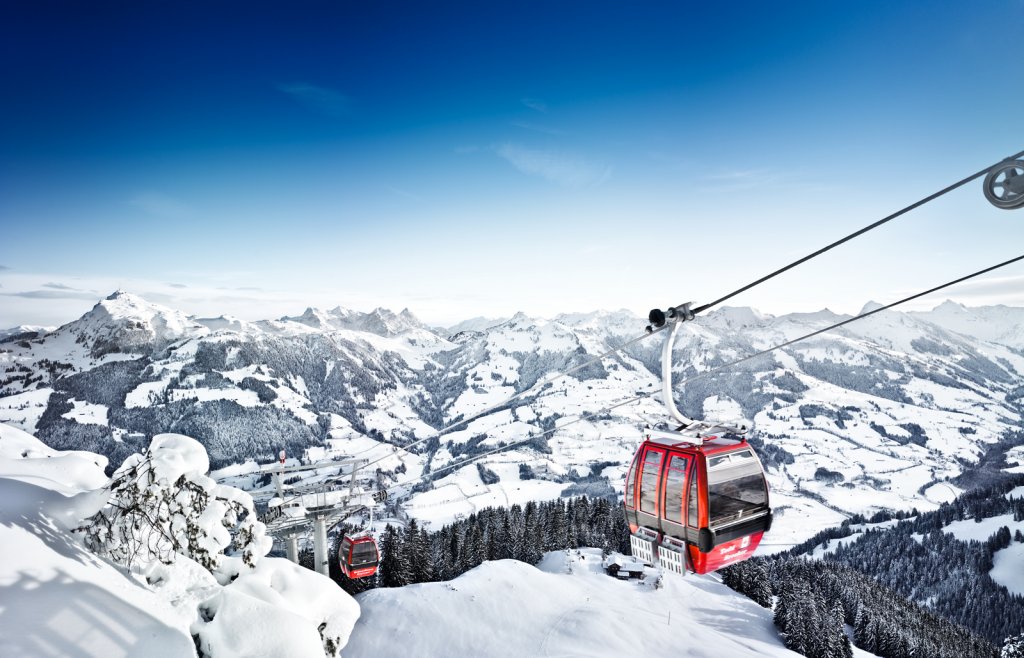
point(658, 317)
point(1004, 185)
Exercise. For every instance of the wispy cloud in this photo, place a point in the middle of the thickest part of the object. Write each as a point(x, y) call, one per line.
point(159, 298)
point(160, 205)
point(397, 191)
point(58, 286)
point(992, 289)
point(752, 179)
point(319, 99)
point(4, 267)
point(177, 285)
point(561, 168)
point(535, 104)
point(53, 294)
point(526, 125)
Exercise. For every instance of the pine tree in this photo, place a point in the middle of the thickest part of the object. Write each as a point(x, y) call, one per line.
point(392, 571)
point(416, 550)
point(533, 539)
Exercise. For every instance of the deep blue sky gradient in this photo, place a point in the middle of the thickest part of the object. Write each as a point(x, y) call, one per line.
point(465, 157)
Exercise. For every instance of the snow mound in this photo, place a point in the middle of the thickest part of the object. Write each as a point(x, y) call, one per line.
point(24, 457)
point(564, 606)
point(175, 455)
point(59, 599)
point(276, 609)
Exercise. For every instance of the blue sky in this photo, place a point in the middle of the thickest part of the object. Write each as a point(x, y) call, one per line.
point(482, 158)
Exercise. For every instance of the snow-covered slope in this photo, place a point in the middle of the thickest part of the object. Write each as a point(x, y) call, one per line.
point(59, 599)
point(566, 606)
point(997, 324)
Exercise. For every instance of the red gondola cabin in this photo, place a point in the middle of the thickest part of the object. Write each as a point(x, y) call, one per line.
point(358, 557)
point(695, 506)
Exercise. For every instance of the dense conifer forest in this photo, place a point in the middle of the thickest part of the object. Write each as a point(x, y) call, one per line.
point(898, 587)
point(412, 555)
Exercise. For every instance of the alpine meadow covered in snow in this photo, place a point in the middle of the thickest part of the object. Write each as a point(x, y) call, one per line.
point(511, 329)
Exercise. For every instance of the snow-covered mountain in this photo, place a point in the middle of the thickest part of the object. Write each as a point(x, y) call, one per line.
point(883, 413)
point(23, 331)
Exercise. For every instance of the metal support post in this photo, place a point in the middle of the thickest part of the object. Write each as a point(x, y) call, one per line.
point(320, 544)
point(292, 547)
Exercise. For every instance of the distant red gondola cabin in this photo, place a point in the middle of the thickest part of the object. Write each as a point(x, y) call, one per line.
point(358, 557)
point(695, 507)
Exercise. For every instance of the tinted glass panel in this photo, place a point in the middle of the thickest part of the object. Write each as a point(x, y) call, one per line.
point(630, 482)
point(364, 554)
point(649, 482)
point(675, 485)
point(735, 486)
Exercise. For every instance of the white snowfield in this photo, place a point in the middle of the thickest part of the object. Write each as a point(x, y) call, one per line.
point(1008, 568)
point(59, 599)
point(1015, 456)
point(971, 530)
point(1007, 563)
point(566, 606)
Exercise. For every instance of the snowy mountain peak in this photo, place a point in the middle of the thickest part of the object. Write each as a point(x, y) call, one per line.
point(870, 306)
point(476, 324)
point(313, 317)
point(226, 323)
point(23, 330)
point(124, 322)
point(825, 315)
point(408, 316)
point(949, 306)
point(519, 319)
point(736, 317)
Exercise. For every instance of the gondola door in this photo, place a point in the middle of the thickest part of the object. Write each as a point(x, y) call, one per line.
point(674, 495)
point(649, 487)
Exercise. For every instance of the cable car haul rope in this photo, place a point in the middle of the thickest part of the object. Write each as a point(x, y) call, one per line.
point(696, 497)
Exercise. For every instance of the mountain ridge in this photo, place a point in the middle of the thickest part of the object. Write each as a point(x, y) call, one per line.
point(896, 406)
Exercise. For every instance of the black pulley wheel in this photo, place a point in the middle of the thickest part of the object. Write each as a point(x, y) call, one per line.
point(1004, 185)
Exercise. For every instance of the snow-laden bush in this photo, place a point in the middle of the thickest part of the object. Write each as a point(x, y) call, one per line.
point(1013, 647)
point(275, 609)
point(162, 504)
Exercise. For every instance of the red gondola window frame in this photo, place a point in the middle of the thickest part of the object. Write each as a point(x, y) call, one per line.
point(693, 500)
point(676, 481)
point(630, 495)
point(649, 472)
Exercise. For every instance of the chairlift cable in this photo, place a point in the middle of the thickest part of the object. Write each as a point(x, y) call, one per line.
point(884, 220)
point(652, 330)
